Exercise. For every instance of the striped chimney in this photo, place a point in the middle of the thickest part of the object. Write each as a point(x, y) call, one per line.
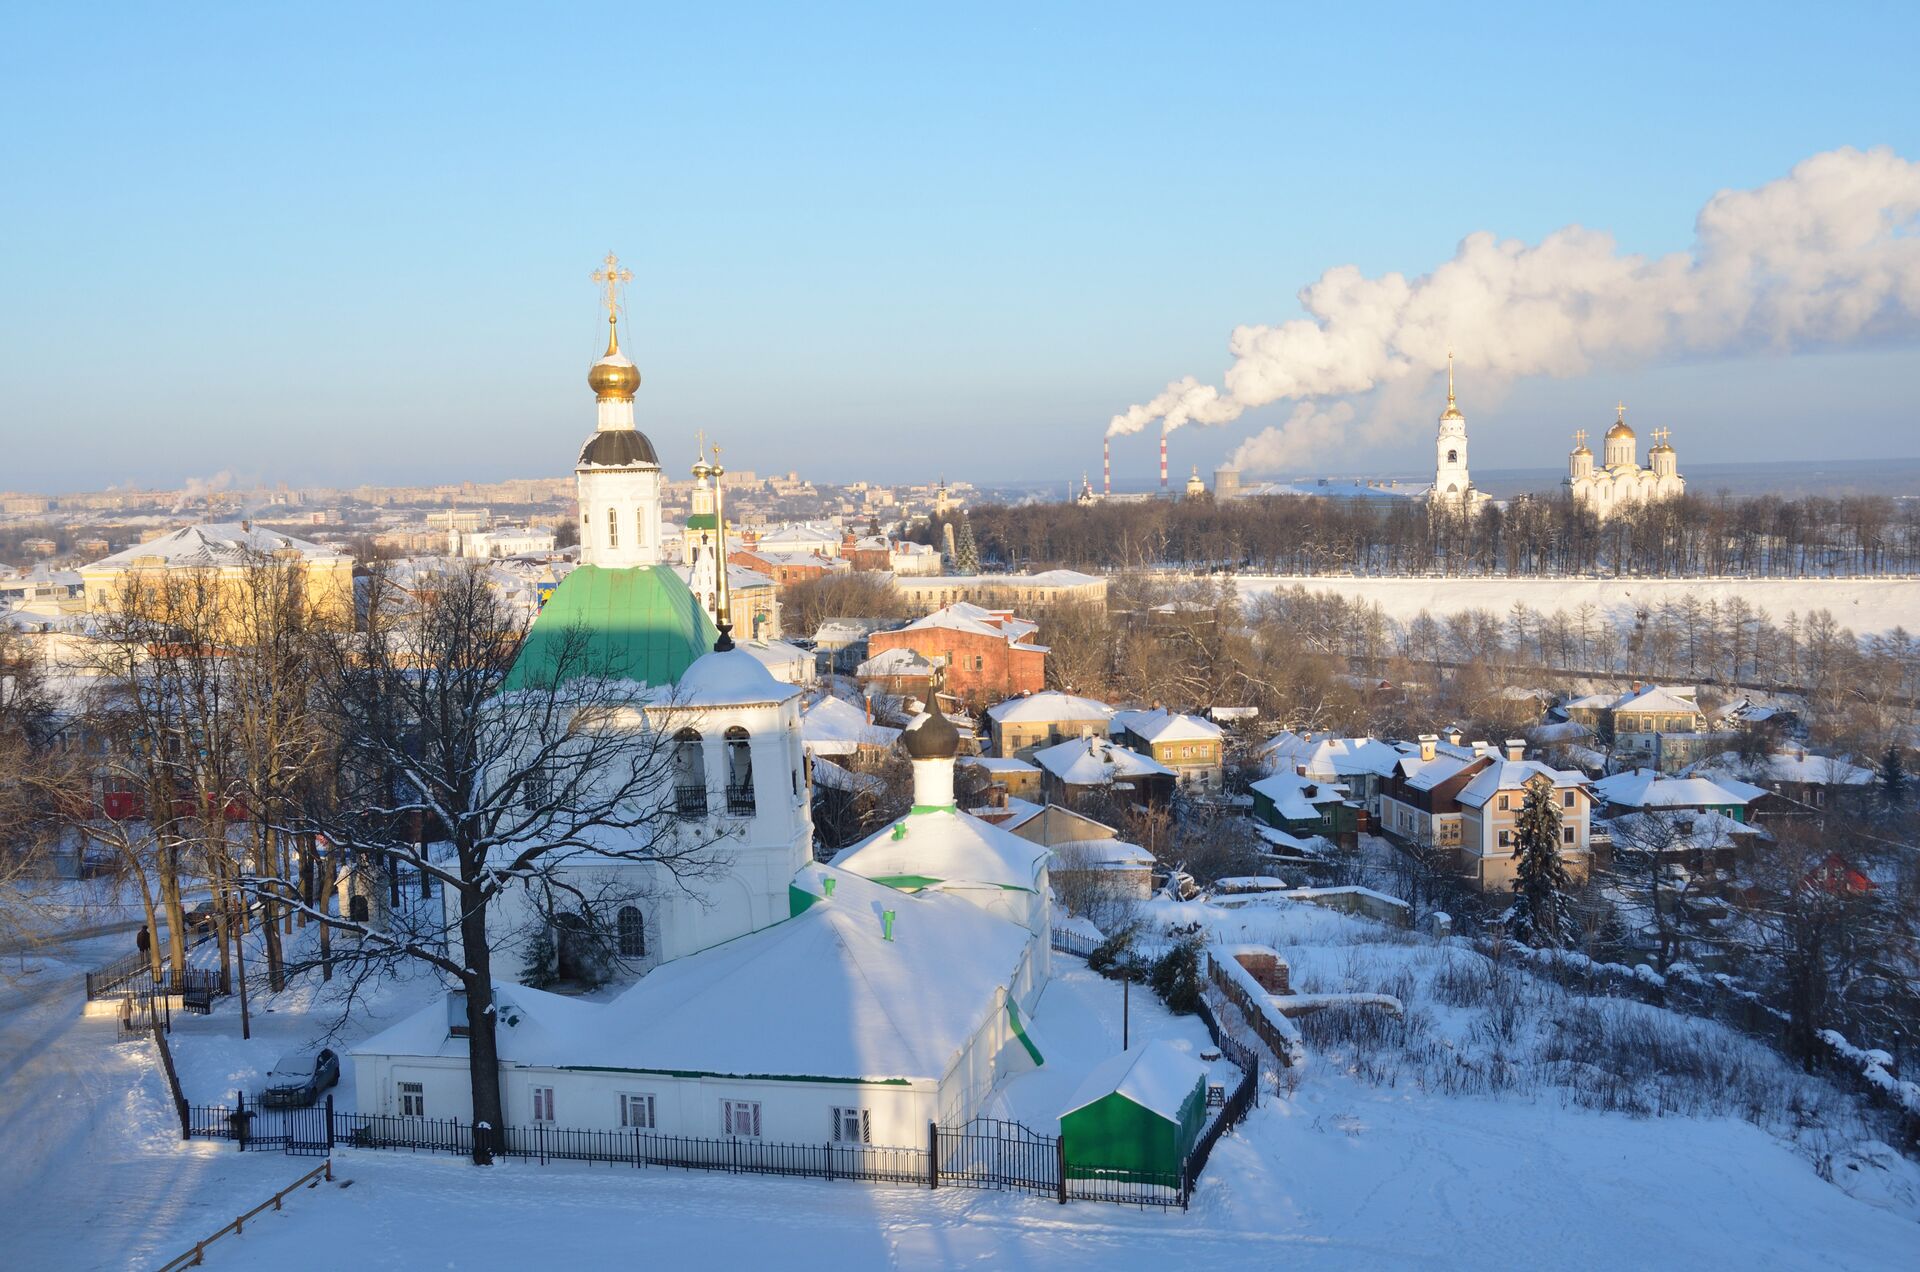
point(1163, 459)
point(1106, 465)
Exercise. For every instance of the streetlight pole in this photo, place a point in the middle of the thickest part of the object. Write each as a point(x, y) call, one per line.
point(1126, 1005)
point(240, 948)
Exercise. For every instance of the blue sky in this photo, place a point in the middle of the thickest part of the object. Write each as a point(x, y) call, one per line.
point(349, 244)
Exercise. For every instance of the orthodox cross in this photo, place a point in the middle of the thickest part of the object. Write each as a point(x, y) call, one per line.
point(611, 276)
point(1621, 410)
point(1579, 437)
point(1662, 434)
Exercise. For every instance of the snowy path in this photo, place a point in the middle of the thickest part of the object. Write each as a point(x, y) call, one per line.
point(92, 1172)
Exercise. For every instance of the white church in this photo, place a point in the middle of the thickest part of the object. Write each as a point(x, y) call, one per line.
point(1621, 480)
point(1452, 482)
point(780, 998)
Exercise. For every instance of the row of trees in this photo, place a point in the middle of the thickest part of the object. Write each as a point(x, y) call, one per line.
point(1531, 535)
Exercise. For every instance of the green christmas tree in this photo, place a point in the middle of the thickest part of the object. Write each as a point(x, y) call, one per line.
point(966, 553)
point(1893, 779)
point(1542, 913)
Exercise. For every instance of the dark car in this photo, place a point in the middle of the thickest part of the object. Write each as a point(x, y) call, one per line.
point(297, 1078)
point(199, 917)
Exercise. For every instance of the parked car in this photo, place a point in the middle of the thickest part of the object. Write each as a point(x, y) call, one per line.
point(297, 1078)
point(199, 917)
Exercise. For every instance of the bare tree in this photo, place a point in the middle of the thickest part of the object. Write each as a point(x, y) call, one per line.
point(537, 791)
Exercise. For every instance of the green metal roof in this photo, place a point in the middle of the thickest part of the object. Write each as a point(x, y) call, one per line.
point(640, 623)
point(702, 521)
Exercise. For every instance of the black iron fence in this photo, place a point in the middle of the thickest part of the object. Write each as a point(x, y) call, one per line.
point(985, 1153)
point(104, 982)
point(1074, 943)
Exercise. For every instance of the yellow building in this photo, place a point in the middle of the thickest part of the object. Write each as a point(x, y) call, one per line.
point(226, 551)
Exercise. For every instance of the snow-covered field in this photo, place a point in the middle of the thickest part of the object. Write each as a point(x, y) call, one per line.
point(1343, 1168)
point(1867, 606)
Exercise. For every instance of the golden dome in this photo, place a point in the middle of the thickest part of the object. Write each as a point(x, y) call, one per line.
point(1581, 449)
point(614, 376)
point(1619, 429)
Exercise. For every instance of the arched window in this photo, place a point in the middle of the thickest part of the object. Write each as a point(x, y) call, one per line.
point(689, 775)
point(357, 907)
point(739, 773)
point(613, 527)
point(633, 933)
point(1453, 457)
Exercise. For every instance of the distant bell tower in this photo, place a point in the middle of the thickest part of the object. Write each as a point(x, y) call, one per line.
point(618, 474)
point(1451, 482)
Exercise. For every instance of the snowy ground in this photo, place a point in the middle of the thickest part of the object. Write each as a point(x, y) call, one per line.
point(1868, 606)
point(1343, 1172)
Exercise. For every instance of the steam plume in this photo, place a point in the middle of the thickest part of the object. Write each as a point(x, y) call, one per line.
point(1827, 255)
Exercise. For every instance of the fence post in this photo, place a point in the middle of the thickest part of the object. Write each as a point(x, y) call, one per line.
point(1060, 1166)
point(933, 1154)
point(329, 1121)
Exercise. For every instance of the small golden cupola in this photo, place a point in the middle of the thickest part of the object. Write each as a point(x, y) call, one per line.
point(614, 378)
point(1619, 428)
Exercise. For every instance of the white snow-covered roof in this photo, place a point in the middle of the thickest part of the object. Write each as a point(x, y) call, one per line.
point(1049, 705)
point(220, 544)
point(1296, 798)
point(953, 848)
point(823, 994)
point(898, 661)
point(1161, 725)
point(1327, 755)
point(837, 778)
point(1795, 765)
point(963, 616)
point(1647, 788)
point(1657, 698)
point(834, 726)
point(1096, 762)
point(1424, 775)
point(1513, 775)
point(998, 764)
point(1158, 1077)
point(729, 678)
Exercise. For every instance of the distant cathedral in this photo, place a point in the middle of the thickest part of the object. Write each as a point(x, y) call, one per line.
point(1621, 480)
point(1452, 485)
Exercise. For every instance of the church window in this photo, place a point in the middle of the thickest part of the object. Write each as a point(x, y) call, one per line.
point(357, 908)
point(536, 788)
point(852, 1126)
point(633, 933)
point(740, 1117)
point(543, 1104)
point(636, 1110)
point(739, 773)
point(689, 775)
point(413, 1099)
point(613, 527)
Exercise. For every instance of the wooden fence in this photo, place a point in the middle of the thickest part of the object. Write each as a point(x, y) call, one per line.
point(194, 1257)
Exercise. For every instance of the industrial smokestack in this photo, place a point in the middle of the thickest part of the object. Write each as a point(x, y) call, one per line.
point(1106, 465)
point(1163, 459)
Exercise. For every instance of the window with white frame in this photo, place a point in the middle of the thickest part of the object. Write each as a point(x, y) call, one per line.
point(740, 1117)
point(1567, 799)
point(636, 1110)
point(1566, 834)
point(852, 1126)
point(413, 1099)
point(1506, 803)
point(543, 1104)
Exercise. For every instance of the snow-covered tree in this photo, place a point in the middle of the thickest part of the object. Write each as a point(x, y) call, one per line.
point(445, 775)
point(1542, 913)
point(966, 553)
point(1893, 780)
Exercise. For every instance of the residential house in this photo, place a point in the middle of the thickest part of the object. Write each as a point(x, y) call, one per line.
point(1020, 726)
point(1301, 807)
point(1490, 805)
point(987, 654)
point(1188, 744)
point(1001, 591)
point(1092, 768)
point(1362, 765)
point(1803, 782)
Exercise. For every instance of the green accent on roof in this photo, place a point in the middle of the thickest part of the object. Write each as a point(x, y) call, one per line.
point(714, 1073)
point(641, 624)
point(919, 809)
point(798, 899)
point(906, 883)
point(702, 521)
point(1020, 1032)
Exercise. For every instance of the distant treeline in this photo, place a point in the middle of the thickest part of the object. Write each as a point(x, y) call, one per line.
point(1690, 535)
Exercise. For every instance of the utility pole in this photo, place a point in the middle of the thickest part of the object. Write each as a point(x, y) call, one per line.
point(1126, 1005)
point(240, 946)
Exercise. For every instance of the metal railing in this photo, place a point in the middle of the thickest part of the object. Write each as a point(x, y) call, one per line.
point(690, 801)
point(740, 800)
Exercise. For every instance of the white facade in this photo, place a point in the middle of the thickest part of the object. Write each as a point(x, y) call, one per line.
point(1620, 480)
point(617, 476)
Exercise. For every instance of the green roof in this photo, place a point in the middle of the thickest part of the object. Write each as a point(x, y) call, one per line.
point(702, 521)
point(640, 624)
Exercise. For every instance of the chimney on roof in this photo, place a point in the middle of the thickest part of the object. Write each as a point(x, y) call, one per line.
point(1453, 736)
point(1427, 743)
point(1482, 748)
point(1636, 686)
point(1516, 748)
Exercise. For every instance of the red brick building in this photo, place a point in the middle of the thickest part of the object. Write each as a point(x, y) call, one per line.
point(988, 654)
point(782, 568)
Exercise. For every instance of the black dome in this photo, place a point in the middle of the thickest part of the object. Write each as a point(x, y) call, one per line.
point(618, 448)
point(930, 735)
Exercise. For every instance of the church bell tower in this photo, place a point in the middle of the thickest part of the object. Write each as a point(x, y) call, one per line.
point(618, 474)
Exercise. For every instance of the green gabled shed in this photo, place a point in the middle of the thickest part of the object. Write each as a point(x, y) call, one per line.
point(639, 623)
point(1136, 1116)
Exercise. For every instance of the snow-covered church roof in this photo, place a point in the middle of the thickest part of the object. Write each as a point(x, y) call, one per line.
point(949, 848)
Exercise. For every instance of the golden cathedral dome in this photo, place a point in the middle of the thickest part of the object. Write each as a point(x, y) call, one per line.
point(614, 376)
point(1619, 430)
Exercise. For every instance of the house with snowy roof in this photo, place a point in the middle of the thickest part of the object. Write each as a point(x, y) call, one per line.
point(223, 552)
point(1645, 789)
point(1362, 765)
point(835, 727)
point(1301, 806)
point(1660, 723)
point(1192, 746)
point(1801, 782)
point(1490, 804)
point(1090, 768)
point(1019, 726)
point(985, 655)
